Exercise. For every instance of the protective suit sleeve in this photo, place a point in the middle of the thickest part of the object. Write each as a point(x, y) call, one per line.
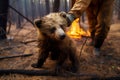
point(79, 7)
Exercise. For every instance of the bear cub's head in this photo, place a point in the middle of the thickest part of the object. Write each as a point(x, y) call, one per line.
point(52, 25)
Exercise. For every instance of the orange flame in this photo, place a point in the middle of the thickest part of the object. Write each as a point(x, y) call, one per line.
point(76, 31)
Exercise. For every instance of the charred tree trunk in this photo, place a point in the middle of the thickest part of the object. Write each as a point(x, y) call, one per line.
point(119, 10)
point(19, 19)
point(47, 6)
point(33, 9)
point(56, 5)
point(65, 5)
point(39, 8)
point(3, 18)
point(25, 8)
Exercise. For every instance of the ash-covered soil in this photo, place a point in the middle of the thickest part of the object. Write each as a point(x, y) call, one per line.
point(107, 65)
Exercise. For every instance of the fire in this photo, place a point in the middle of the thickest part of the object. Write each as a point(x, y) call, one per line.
point(76, 31)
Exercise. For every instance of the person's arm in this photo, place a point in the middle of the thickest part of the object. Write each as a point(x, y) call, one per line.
point(78, 8)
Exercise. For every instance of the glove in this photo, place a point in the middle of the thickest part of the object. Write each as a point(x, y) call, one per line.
point(70, 18)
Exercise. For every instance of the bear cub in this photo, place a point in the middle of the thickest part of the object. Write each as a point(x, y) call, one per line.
point(54, 41)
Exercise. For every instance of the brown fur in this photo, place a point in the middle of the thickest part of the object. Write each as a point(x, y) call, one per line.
point(60, 49)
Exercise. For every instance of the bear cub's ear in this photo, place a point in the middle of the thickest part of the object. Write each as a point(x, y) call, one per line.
point(63, 14)
point(38, 22)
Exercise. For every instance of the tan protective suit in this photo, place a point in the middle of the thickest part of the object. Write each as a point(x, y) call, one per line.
point(99, 13)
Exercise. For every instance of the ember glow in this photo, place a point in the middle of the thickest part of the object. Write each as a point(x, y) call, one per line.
point(76, 31)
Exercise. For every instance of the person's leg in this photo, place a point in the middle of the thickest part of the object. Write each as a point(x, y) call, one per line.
point(103, 24)
point(92, 21)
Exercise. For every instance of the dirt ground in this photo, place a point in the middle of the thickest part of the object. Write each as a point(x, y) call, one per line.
point(108, 65)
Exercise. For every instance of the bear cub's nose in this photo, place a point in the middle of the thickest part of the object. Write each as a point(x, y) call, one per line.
point(62, 37)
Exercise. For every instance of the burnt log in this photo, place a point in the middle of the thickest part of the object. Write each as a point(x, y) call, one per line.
point(44, 73)
point(26, 72)
point(53, 73)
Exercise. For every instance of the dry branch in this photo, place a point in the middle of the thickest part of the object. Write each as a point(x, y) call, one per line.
point(14, 56)
point(26, 42)
point(21, 14)
point(9, 47)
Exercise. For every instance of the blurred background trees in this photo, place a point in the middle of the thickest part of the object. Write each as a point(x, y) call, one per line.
point(33, 9)
point(37, 8)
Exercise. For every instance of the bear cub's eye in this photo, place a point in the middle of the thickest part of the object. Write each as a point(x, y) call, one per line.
point(52, 30)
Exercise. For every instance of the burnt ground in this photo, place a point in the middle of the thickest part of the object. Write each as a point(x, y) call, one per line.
point(108, 65)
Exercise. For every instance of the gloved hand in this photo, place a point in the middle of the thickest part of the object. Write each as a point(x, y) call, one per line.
point(70, 18)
